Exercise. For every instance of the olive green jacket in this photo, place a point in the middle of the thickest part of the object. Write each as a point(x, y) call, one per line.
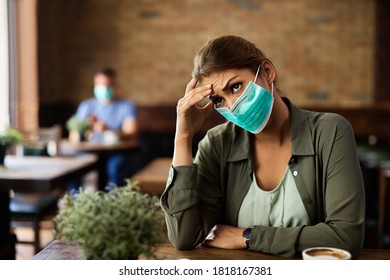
point(326, 170)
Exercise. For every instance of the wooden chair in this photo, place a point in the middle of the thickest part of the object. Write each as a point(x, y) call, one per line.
point(29, 210)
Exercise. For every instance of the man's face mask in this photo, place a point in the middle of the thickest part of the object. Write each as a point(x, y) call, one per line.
point(103, 93)
point(252, 109)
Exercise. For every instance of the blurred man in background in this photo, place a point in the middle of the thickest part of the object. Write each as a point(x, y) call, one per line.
point(112, 119)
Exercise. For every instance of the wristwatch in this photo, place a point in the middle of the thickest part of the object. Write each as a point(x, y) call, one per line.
point(247, 236)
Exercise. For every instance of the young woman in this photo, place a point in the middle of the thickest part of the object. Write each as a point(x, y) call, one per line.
point(274, 178)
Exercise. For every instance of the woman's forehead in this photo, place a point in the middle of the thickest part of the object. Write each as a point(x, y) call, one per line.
point(220, 77)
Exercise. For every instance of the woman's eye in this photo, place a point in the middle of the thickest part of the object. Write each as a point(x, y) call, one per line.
point(236, 87)
point(216, 100)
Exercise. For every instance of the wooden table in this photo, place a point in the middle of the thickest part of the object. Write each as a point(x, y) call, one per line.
point(102, 150)
point(35, 174)
point(67, 147)
point(60, 250)
point(40, 174)
point(153, 177)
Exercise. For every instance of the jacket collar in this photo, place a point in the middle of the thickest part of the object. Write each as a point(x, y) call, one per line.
point(302, 143)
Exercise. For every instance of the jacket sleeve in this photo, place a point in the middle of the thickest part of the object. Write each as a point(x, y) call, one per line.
point(339, 195)
point(191, 204)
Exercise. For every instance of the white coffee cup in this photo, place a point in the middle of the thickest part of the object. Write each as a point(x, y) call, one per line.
point(325, 253)
point(110, 137)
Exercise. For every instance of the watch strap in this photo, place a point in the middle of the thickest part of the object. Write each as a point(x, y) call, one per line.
point(247, 236)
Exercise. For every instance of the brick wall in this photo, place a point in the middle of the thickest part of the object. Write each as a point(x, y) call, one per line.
point(323, 50)
point(27, 65)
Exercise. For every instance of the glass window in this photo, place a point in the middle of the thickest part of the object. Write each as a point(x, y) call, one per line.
point(4, 66)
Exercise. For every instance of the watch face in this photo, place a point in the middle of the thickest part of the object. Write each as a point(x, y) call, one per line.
point(247, 232)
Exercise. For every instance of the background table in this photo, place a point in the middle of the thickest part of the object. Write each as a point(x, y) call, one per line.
point(102, 150)
point(60, 250)
point(35, 174)
point(40, 174)
point(68, 147)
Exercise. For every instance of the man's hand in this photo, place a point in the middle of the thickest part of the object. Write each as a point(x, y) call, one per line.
point(99, 126)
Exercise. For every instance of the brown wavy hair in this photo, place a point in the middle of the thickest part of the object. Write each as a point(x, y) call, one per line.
point(226, 52)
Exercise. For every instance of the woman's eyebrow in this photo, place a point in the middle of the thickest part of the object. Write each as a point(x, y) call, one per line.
point(228, 83)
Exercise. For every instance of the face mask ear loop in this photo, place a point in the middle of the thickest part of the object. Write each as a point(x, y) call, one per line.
point(257, 73)
point(272, 89)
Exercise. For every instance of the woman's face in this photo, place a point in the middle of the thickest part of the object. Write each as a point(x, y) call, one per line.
point(228, 85)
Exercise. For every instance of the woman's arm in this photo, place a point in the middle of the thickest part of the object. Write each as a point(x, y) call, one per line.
point(340, 199)
point(181, 201)
point(189, 213)
point(190, 119)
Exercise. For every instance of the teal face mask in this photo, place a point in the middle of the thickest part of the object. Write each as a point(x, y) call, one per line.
point(103, 93)
point(252, 109)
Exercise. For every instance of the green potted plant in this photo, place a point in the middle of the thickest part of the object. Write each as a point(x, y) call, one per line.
point(8, 137)
point(120, 224)
point(77, 128)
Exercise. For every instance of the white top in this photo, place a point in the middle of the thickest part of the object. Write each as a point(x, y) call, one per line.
point(281, 207)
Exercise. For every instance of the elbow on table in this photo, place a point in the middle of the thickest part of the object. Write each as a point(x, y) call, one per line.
point(352, 248)
point(353, 242)
point(181, 243)
point(355, 249)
